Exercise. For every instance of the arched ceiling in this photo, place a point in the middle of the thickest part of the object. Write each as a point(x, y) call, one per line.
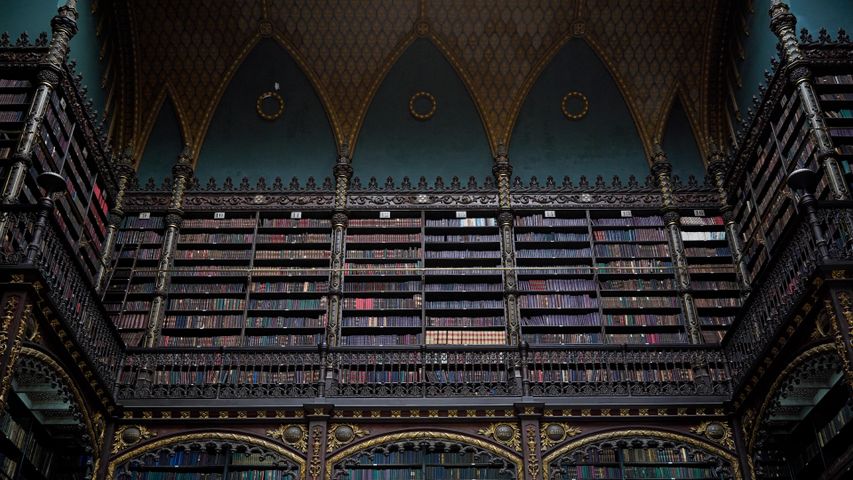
point(189, 51)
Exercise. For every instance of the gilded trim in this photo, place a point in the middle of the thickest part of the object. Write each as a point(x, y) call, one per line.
point(424, 435)
point(659, 434)
point(189, 437)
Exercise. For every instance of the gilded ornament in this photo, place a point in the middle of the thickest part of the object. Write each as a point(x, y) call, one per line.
point(294, 435)
point(505, 433)
point(422, 116)
point(129, 435)
point(278, 109)
point(578, 114)
point(316, 443)
point(716, 431)
point(343, 434)
point(553, 433)
point(532, 454)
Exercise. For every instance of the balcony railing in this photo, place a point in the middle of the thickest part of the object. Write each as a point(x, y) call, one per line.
point(423, 372)
point(74, 301)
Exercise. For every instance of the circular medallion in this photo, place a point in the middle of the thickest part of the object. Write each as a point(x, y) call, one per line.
point(344, 434)
point(270, 106)
point(555, 433)
point(575, 105)
point(715, 431)
point(131, 435)
point(504, 432)
point(292, 434)
point(422, 106)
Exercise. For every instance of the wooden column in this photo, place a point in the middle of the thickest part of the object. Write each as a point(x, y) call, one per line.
point(318, 425)
point(717, 169)
point(125, 173)
point(63, 27)
point(529, 416)
point(502, 172)
point(343, 174)
point(784, 23)
point(182, 172)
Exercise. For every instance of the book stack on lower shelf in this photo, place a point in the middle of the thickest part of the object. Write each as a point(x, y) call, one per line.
point(622, 463)
point(195, 462)
point(407, 464)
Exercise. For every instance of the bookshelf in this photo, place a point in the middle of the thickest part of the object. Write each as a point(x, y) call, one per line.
point(835, 93)
point(436, 463)
point(712, 273)
point(383, 281)
point(614, 462)
point(131, 283)
point(463, 283)
point(61, 147)
point(635, 277)
point(30, 449)
point(206, 461)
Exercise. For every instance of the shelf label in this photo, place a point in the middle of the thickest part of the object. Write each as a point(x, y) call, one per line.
point(698, 213)
point(384, 214)
point(626, 213)
point(144, 215)
point(461, 214)
point(218, 215)
point(296, 215)
point(550, 214)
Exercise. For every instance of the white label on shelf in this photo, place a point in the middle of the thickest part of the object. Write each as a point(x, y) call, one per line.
point(144, 215)
point(626, 213)
point(276, 86)
point(218, 215)
point(698, 213)
point(550, 214)
point(296, 215)
point(461, 214)
point(62, 103)
point(384, 214)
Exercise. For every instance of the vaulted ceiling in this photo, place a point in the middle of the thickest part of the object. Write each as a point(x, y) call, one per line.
point(189, 50)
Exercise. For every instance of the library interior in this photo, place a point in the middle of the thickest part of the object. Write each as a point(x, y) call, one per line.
point(609, 240)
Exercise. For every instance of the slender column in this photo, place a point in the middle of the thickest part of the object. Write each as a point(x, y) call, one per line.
point(717, 169)
point(343, 174)
point(662, 170)
point(182, 172)
point(125, 172)
point(64, 27)
point(530, 415)
point(15, 310)
point(784, 23)
point(318, 426)
point(502, 171)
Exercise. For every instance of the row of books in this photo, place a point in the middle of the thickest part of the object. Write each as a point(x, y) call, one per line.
point(295, 223)
point(461, 254)
point(201, 322)
point(553, 253)
point(632, 235)
point(380, 340)
point(182, 457)
point(551, 237)
point(462, 222)
point(208, 288)
point(284, 340)
point(702, 236)
point(288, 304)
point(141, 254)
point(384, 222)
point(468, 337)
point(385, 321)
point(384, 238)
point(207, 303)
point(217, 238)
point(399, 253)
point(207, 254)
point(14, 83)
point(701, 221)
point(539, 220)
point(10, 116)
point(209, 223)
point(717, 302)
point(557, 301)
point(138, 236)
point(217, 341)
point(289, 287)
point(463, 287)
point(463, 304)
point(641, 320)
point(286, 322)
point(21, 437)
point(638, 284)
point(290, 238)
point(631, 250)
point(585, 320)
point(151, 223)
point(293, 254)
point(669, 472)
point(834, 79)
point(591, 472)
point(720, 321)
point(381, 303)
point(639, 302)
point(461, 238)
point(840, 113)
point(558, 284)
point(465, 322)
point(651, 221)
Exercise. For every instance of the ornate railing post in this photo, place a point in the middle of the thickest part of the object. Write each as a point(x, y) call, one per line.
point(717, 169)
point(343, 174)
point(16, 310)
point(51, 183)
point(784, 23)
point(182, 172)
point(64, 27)
point(662, 170)
point(502, 171)
point(124, 170)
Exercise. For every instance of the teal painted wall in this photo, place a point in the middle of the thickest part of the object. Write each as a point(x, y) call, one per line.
point(817, 14)
point(759, 47)
point(240, 143)
point(604, 142)
point(451, 143)
point(165, 143)
point(680, 145)
point(33, 17)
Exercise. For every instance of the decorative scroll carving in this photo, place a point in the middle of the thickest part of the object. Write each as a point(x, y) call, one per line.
point(718, 432)
point(552, 434)
point(506, 433)
point(294, 435)
point(129, 435)
point(342, 434)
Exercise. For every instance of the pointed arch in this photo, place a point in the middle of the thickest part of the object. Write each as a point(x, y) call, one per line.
point(236, 65)
point(392, 139)
point(545, 61)
point(411, 435)
point(677, 135)
point(216, 435)
point(676, 92)
point(158, 142)
point(656, 433)
point(141, 140)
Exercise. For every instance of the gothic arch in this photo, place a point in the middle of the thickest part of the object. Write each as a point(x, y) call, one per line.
point(218, 436)
point(142, 137)
point(655, 434)
point(676, 94)
point(409, 436)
